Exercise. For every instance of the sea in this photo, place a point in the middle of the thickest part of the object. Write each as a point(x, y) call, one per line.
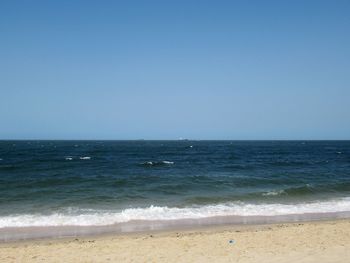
point(68, 188)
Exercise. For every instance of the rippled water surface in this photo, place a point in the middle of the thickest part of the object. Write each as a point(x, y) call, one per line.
point(105, 182)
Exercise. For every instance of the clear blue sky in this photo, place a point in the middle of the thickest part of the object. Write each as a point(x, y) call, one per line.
point(170, 69)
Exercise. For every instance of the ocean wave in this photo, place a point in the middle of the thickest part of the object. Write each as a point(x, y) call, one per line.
point(311, 189)
point(85, 158)
point(153, 163)
point(88, 217)
point(294, 191)
point(274, 193)
point(290, 163)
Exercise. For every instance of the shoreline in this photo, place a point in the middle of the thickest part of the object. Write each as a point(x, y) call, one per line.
point(316, 241)
point(13, 234)
point(189, 229)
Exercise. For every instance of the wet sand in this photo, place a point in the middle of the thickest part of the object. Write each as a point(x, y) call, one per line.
point(138, 226)
point(323, 241)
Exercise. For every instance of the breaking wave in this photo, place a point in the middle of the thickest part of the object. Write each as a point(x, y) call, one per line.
point(154, 163)
point(89, 217)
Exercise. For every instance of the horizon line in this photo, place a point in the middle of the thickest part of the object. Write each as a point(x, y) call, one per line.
point(174, 139)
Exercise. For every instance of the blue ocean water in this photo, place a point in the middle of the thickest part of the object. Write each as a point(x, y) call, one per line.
point(44, 183)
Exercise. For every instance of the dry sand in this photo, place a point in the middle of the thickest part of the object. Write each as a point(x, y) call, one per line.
point(299, 242)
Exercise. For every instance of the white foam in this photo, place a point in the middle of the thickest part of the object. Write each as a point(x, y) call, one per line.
point(79, 217)
point(85, 158)
point(167, 162)
point(274, 193)
point(157, 163)
point(69, 158)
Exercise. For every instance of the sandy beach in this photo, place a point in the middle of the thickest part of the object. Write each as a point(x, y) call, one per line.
point(324, 241)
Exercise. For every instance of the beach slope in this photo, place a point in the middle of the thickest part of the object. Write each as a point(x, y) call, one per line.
point(298, 242)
